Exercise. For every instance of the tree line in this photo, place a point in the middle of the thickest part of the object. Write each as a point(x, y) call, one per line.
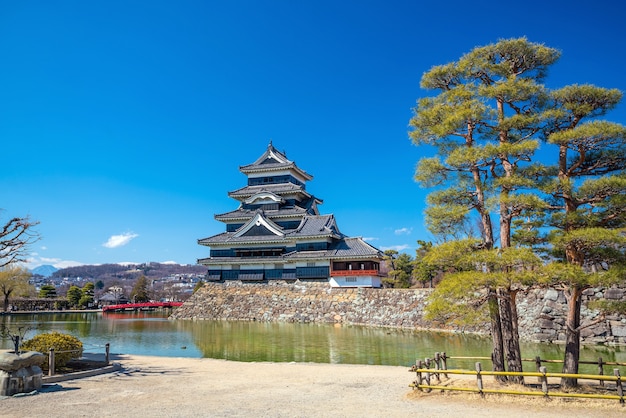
point(14, 282)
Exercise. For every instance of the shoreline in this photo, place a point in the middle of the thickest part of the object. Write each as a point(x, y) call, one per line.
point(9, 313)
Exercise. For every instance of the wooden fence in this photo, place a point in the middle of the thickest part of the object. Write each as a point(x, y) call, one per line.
point(440, 361)
point(433, 369)
point(537, 360)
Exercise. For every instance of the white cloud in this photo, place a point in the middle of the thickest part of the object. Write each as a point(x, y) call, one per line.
point(119, 240)
point(368, 239)
point(403, 231)
point(398, 248)
point(48, 260)
point(67, 263)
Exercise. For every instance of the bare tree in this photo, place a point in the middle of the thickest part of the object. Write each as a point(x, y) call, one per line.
point(15, 238)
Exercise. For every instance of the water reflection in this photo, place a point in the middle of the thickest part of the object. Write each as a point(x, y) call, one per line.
point(145, 333)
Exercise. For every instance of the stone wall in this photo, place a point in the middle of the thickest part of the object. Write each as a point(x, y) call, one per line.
point(310, 302)
point(541, 312)
point(542, 316)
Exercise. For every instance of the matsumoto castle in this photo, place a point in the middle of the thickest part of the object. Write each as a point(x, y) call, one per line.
point(277, 233)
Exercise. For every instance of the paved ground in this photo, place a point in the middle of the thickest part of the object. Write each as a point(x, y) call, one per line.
point(183, 387)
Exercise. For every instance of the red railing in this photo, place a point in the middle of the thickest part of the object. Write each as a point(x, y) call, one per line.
point(355, 273)
point(148, 305)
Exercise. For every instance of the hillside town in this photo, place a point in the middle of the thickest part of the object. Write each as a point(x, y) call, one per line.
point(112, 283)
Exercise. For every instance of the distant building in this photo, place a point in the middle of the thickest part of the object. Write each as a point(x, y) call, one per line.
point(112, 299)
point(277, 233)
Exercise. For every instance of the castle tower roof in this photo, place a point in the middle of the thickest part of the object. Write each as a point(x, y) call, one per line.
point(274, 160)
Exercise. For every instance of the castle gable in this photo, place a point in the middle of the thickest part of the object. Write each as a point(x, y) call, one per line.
point(259, 225)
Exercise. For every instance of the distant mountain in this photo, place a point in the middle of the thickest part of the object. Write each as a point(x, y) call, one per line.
point(45, 270)
point(128, 271)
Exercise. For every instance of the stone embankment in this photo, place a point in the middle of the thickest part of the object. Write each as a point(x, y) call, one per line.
point(541, 312)
point(307, 302)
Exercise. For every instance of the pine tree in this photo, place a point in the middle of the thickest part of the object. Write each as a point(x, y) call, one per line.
point(486, 123)
point(140, 290)
point(74, 293)
point(587, 196)
point(482, 123)
point(87, 295)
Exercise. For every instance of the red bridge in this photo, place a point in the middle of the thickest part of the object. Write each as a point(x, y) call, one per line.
point(140, 306)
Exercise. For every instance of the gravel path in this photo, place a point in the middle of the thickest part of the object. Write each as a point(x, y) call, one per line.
point(184, 387)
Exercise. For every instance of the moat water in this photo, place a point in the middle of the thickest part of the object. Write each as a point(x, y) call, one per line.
point(152, 334)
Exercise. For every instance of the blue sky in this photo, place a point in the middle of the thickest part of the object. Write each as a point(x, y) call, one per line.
point(123, 123)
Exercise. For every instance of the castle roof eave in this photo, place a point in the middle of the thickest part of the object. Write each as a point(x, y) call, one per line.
point(250, 169)
point(239, 260)
point(245, 214)
point(240, 242)
point(280, 189)
point(277, 161)
point(285, 241)
point(224, 217)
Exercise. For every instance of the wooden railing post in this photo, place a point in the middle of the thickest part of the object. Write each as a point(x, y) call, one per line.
point(418, 363)
point(444, 363)
point(601, 370)
point(437, 367)
point(544, 380)
point(427, 377)
point(51, 362)
point(538, 366)
point(479, 379)
point(107, 347)
point(618, 385)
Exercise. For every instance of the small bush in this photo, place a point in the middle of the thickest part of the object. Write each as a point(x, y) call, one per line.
point(66, 347)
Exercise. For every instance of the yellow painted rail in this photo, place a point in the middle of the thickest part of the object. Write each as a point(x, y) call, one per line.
point(425, 373)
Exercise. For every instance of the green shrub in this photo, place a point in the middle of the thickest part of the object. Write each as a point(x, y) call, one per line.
point(66, 347)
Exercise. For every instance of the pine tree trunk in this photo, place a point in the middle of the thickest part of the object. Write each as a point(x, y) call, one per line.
point(572, 338)
point(509, 335)
point(485, 217)
point(497, 355)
